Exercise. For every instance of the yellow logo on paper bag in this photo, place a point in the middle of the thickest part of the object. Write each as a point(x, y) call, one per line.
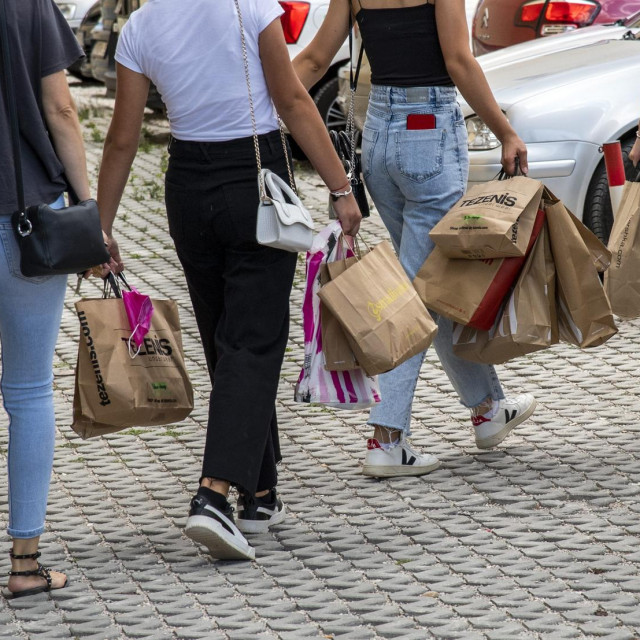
point(393, 294)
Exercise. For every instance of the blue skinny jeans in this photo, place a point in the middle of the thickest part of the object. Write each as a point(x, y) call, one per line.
point(30, 314)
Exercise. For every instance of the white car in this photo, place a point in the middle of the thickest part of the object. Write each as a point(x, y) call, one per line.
point(564, 103)
point(565, 95)
point(301, 21)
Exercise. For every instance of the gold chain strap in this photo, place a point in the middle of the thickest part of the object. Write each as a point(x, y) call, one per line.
point(254, 126)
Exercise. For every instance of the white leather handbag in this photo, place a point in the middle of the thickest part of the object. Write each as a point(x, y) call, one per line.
point(283, 221)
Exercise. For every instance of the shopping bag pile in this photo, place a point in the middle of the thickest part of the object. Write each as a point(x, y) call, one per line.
point(552, 292)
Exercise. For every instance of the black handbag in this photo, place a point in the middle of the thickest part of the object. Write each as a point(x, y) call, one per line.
point(51, 241)
point(344, 142)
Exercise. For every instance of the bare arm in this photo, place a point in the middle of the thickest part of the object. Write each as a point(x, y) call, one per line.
point(61, 117)
point(120, 147)
point(301, 116)
point(468, 76)
point(314, 60)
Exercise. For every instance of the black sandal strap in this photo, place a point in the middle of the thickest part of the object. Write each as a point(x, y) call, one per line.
point(27, 556)
point(42, 572)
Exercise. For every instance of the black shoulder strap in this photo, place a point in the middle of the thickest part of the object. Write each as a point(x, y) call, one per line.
point(353, 77)
point(10, 100)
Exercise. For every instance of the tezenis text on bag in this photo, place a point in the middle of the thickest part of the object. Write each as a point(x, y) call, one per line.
point(93, 356)
point(154, 347)
point(504, 199)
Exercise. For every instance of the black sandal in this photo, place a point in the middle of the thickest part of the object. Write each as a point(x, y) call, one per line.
point(42, 572)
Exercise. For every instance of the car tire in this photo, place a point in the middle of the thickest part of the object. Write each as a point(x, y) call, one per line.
point(598, 214)
point(326, 99)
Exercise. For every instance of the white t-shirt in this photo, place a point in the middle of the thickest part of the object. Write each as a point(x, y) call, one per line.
point(191, 50)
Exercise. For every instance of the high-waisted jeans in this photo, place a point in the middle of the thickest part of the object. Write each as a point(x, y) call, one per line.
point(240, 293)
point(30, 313)
point(414, 178)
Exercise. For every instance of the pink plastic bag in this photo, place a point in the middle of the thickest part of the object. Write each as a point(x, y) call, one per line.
point(139, 311)
point(352, 389)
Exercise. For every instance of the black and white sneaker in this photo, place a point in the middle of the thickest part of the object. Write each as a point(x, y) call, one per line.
point(211, 524)
point(256, 515)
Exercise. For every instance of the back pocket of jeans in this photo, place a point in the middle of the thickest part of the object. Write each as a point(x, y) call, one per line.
point(419, 153)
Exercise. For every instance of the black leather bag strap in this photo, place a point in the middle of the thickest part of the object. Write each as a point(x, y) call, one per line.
point(353, 76)
point(12, 110)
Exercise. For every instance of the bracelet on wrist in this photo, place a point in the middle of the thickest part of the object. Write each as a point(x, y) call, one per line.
point(339, 194)
point(342, 188)
point(638, 133)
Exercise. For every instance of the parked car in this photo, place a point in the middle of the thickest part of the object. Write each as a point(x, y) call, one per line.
point(501, 23)
point(83, 17)
point(75, 11)
point(565, 95)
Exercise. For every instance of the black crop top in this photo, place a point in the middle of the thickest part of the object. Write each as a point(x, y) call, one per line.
point(403, 47)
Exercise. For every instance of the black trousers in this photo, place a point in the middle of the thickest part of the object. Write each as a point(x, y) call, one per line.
point(240, 293)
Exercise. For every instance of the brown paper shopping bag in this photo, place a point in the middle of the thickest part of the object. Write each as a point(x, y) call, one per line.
point(114, 390)
point(492, 220)
point(600, 255)
point(384, 319)
point(471, 292)
point(584, 313)
point(528, 320)
point(338, 354)
point(622, 280)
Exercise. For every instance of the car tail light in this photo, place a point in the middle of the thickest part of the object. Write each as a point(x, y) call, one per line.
point(549, 14)
point(293, 19)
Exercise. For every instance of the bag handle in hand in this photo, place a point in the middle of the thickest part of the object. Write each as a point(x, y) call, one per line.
point(115, 283)
point(254, 126)
point(503, 175)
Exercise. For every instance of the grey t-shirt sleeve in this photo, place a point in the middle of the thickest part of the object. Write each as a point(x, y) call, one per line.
point(59, 47)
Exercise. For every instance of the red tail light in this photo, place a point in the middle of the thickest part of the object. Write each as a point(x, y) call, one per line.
point(573, 12)
point(293, 19)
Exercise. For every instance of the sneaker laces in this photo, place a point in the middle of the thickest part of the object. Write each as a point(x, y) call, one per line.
point(402, 441)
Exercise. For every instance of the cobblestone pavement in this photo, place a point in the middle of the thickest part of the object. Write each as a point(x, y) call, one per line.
point(536, 539)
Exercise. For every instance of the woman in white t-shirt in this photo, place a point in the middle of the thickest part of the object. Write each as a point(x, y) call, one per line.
point(239, 289)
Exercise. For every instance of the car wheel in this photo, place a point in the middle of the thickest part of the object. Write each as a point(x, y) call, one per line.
point(598, 214)
point(326, 99)
point(82, 68)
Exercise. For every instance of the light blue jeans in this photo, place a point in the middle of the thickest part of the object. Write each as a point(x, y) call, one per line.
point(414, 178)
point(30, 313)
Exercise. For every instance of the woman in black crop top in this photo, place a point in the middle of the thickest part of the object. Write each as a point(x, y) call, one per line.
point(415, 165)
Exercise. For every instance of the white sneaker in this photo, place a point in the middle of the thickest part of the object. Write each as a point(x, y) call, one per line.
point(509, 414)
point(400, 460)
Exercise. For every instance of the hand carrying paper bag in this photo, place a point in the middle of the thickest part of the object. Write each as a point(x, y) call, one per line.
point(114, 391)
point(380, 311)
